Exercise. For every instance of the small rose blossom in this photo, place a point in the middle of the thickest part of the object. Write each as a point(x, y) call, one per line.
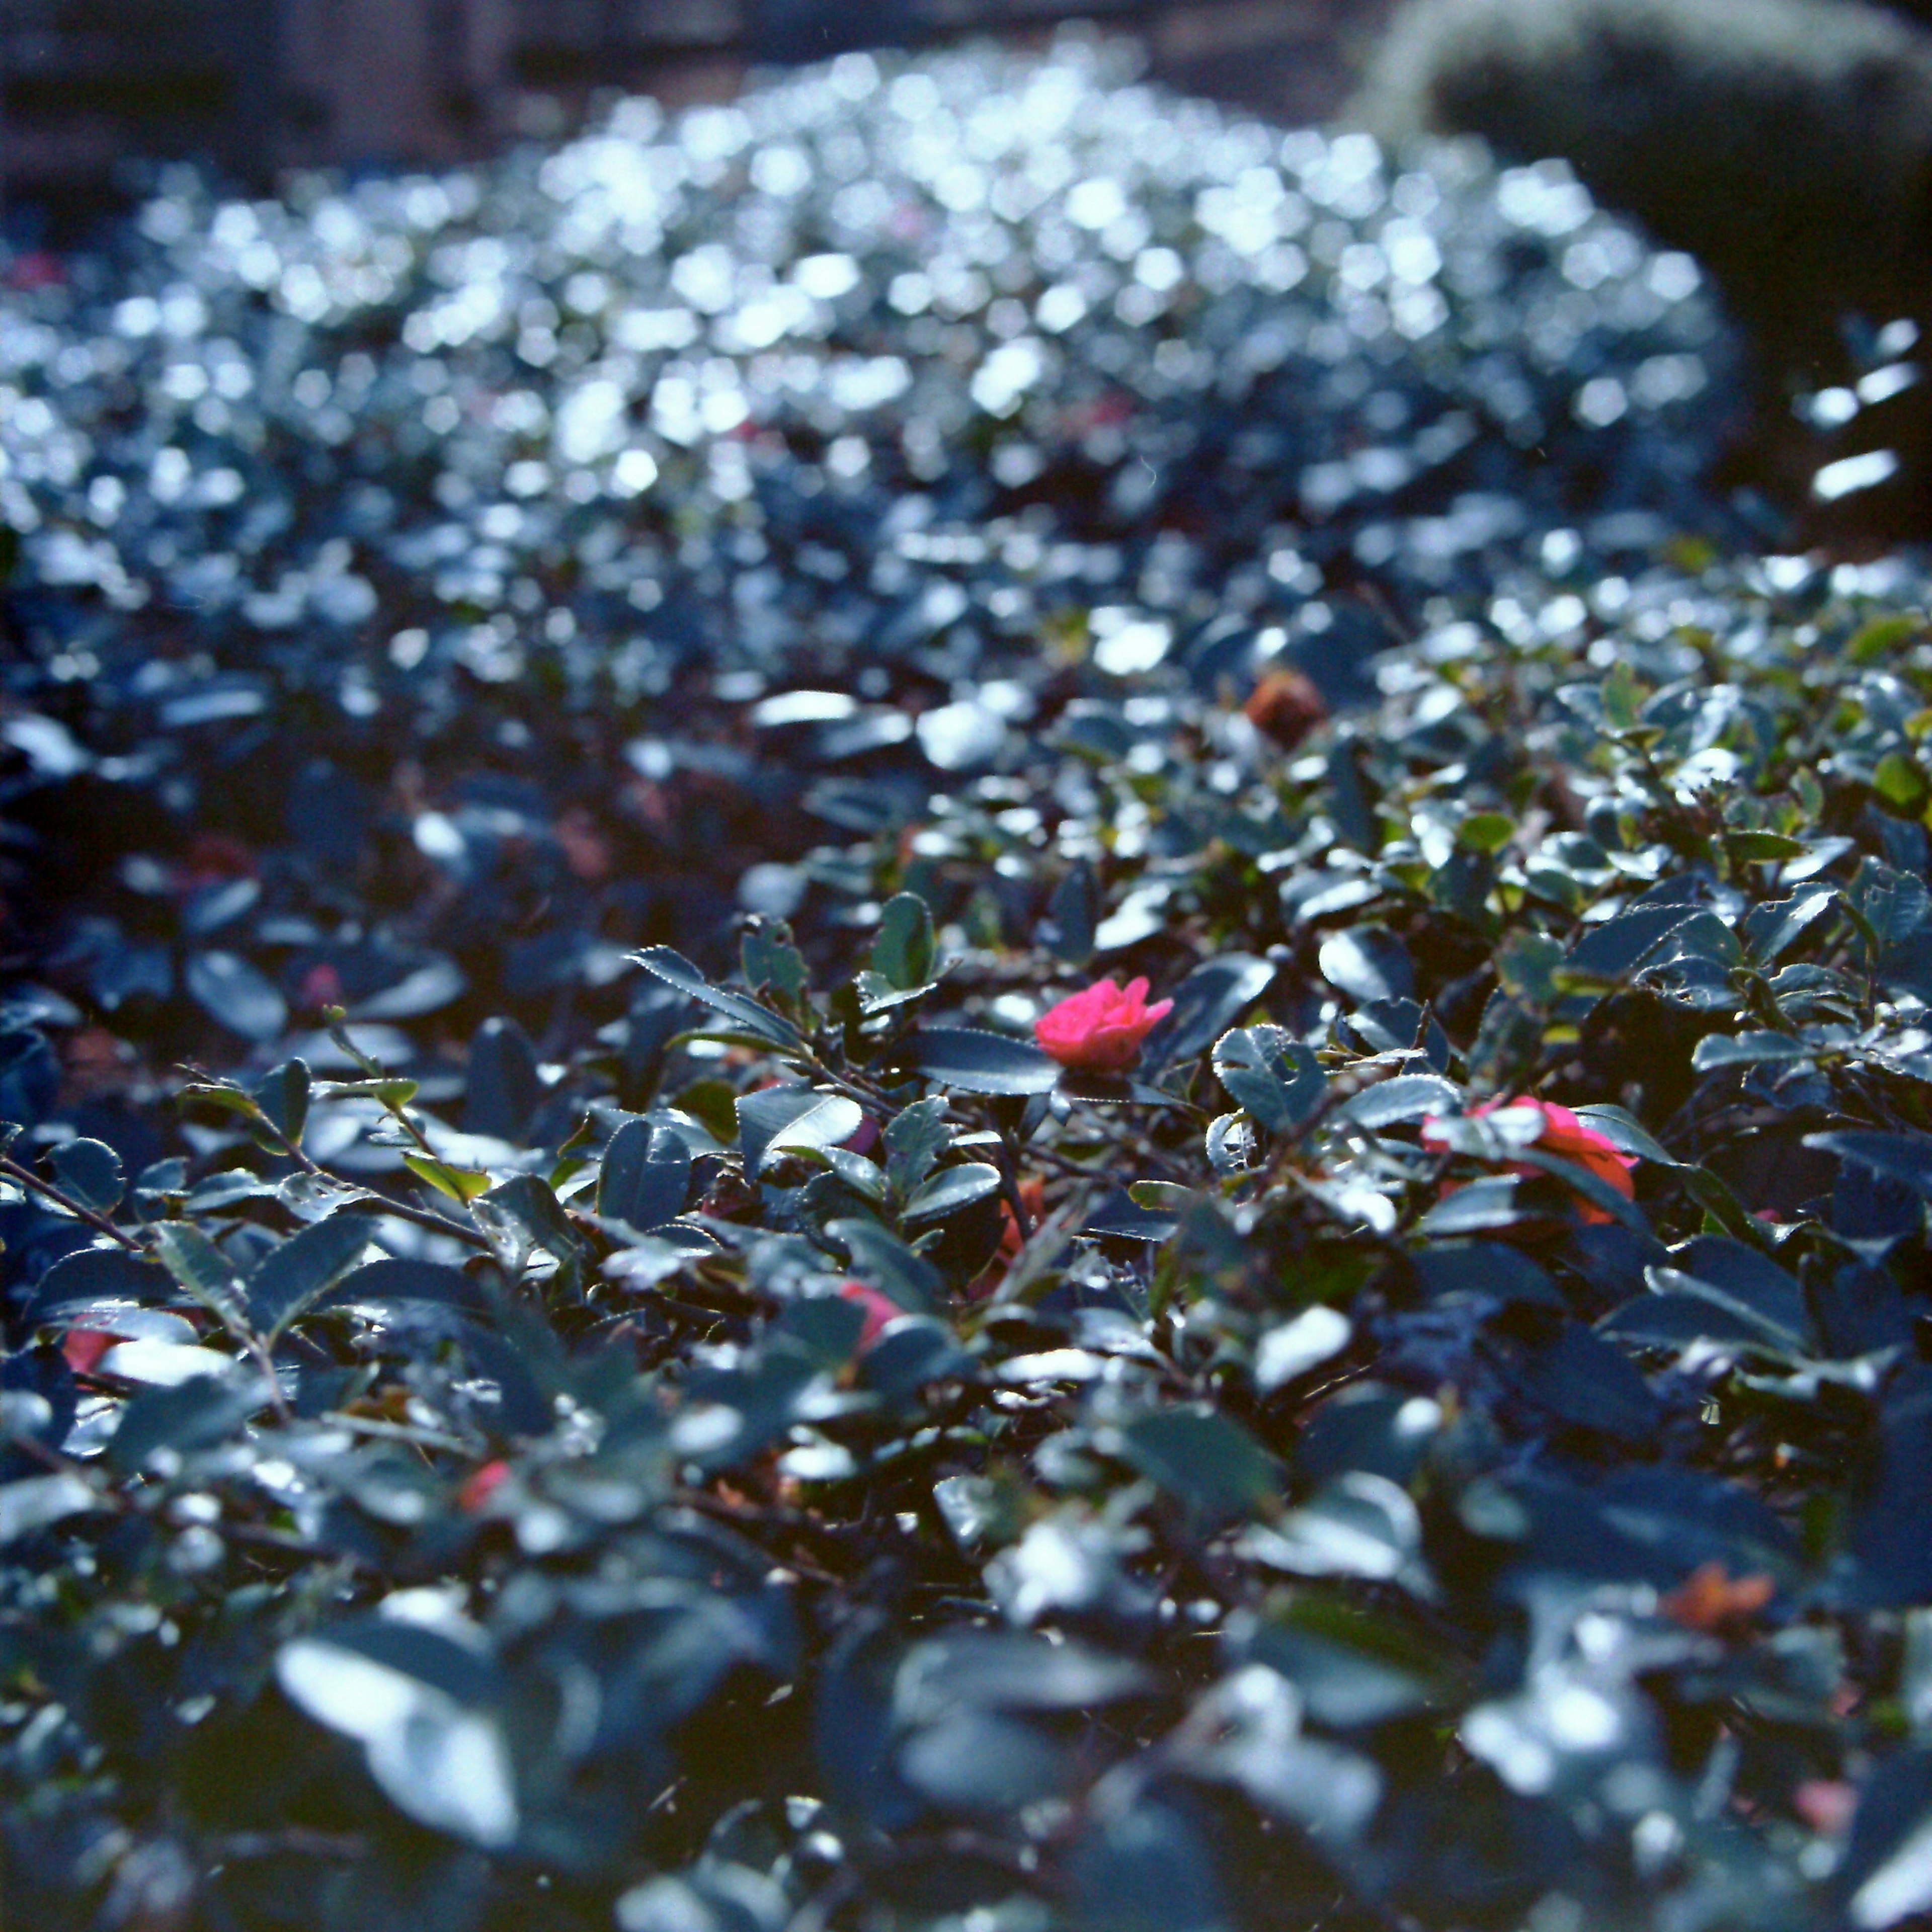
point(84, 1348)
point(1566, 1137)
point(1710, 1598)
point(1826, 1805)
point(1103, 1030)
point(482, 1484)
point(880, 1310)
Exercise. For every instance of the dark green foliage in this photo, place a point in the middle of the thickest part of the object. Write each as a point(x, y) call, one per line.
point(1786, 143)
point(644, 1399)
point(1321, 1483)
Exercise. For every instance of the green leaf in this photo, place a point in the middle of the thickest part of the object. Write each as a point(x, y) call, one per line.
point(34, 1502)
point(1230, 1143)
point(1509, 1038)
point(462, 1184)
point(97, 1274)
point(951, 1188)
point(645, 1176)
point(1623, 696)
point(1206, 1004)
point(391, 1280)
point(220, 1094)
point(1626, 1134)
point(1756, 848)
point(502, 1086)
point(774, 1118)
point(1882, 638)
point(902, 954)
point(863, 1176)
point(1408, 1096)
point(1289, 1351)
point(877, 994)
point(1526, 964)
point(1161, 1197)
point(1492, 1202)
point(1713, 1193)
point(1702, 936)
point(524, 1213)
point(1899, 782)
point(1272, 1075)
point(976, 1062)
point(283, 1095)
point(1209, 1465)
point(1776, 1316)
point(1772, 929)
point(768, 958)
point(1486, 832)
point(203, 1270)
point(1907, 1158)
point(391, 1091)
point(89, 1170)
point(201, 1413)
point(1462, 885)
point(1716, 1050)
point(915, 1139)
point(880, 1256)
point(236, 994)
point(290, 1280)
point(747, 1016)
point(1368, 964)
point(1609, 952)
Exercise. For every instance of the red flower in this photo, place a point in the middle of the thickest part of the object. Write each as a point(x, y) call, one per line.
point(1826, 1805)
point(881, 1310)
point(1103, 1030)
point(482, 1484)
point(1563, 1134)
point(84, 1348)
point(1710, 1598)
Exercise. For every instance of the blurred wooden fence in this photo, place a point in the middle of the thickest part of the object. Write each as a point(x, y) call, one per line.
point(260, 85)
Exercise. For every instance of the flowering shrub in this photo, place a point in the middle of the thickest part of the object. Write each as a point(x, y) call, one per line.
point(643, 1395)
point(956, 1471)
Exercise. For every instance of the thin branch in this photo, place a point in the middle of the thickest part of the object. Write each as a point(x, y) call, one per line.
point(403, 1210)
point(27, 1177)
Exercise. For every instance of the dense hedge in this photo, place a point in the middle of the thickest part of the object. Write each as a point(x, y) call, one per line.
point(552, 1416)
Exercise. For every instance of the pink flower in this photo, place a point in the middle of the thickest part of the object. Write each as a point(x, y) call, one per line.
point(481, 1485)
point(1826, 1805)
point(880, 1311)
point(1562, 1135)
point(1103, 1030)
point(84, 1348)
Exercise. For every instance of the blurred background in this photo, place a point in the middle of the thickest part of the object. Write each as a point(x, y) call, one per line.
point(87, 87)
